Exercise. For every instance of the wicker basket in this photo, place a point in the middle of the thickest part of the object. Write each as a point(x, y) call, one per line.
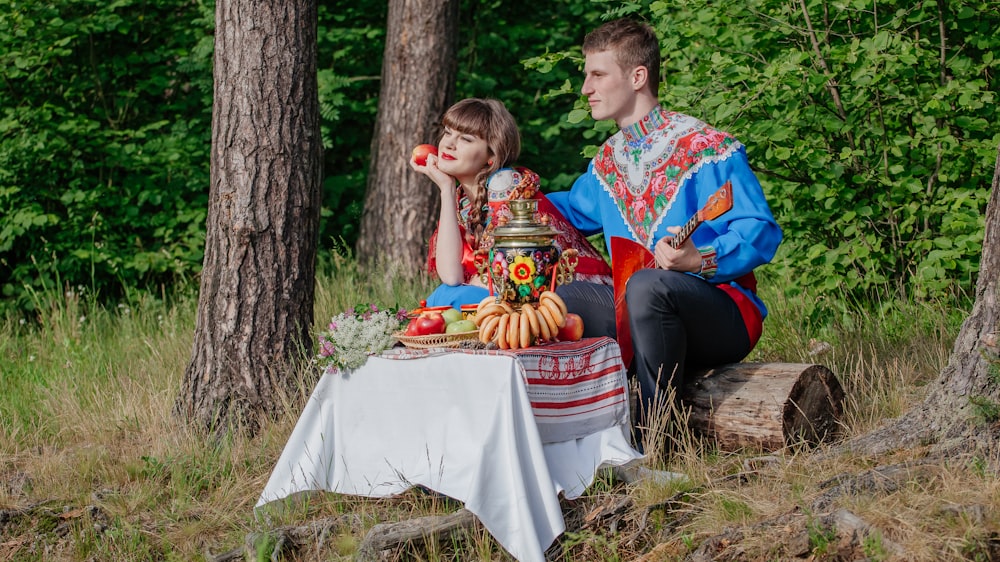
point(436, 340)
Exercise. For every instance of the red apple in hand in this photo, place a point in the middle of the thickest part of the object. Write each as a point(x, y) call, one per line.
point(421, 152)
point(572, 330)
point(431, 322)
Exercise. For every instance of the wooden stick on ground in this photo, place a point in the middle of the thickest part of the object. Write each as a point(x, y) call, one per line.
point(385, 536)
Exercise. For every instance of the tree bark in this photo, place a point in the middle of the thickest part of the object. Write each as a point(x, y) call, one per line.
point(418, 75)
point(957, 410)
point(255, 308)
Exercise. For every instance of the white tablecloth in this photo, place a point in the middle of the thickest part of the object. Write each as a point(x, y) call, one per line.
point(457, 423)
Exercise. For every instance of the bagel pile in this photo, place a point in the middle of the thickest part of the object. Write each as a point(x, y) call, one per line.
point(511, 329)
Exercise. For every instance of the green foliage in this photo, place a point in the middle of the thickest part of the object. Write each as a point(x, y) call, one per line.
point(504, 55)
point(874, 547)
point(103, 144)
point(494, 37)
point(985, 409)
point(822, 538)
point(869, 127)
point(349, 50)
point(599, 547)
point(105, 127)
point(735, 510)
point(978, 546)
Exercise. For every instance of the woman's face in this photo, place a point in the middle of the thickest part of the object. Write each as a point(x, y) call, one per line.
point(462, 155)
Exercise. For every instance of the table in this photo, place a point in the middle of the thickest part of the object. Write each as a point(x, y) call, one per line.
point(504, 432)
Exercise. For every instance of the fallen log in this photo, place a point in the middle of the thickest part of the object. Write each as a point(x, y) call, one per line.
point(387, 536)
point(764, 405)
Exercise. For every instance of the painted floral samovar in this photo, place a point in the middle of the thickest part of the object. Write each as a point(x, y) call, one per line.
point(524, 260)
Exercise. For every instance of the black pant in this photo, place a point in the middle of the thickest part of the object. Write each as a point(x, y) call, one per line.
point(680, 324)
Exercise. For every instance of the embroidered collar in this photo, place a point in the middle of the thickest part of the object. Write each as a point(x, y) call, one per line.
point(644, 167)
point(652, 121)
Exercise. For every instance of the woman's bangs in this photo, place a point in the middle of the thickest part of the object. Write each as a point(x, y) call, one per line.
point(469, 120)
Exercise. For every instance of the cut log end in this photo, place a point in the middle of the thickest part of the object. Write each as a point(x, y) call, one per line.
point(814, 408)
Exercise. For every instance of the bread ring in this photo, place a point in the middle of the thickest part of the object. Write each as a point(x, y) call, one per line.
point(543, 327)
point(489, 328)
point(484, 302)
point(554, 297)
point(524, 330)
point(550, 322)
point(486, 312)
point(507, 307)
point(502, 331)
point(529, 311)
point(557, 314)
point(513, 331)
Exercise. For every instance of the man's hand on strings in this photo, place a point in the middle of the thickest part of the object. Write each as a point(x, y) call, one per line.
point(685, 258)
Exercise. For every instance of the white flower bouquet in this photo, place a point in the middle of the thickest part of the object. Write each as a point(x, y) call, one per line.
point(353, 336)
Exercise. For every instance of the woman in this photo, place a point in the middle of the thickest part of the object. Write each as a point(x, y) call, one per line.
point(480, 138)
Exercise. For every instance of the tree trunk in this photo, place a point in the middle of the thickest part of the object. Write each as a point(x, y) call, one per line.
point(418, 74)
point(255, 308)
point(963, 404)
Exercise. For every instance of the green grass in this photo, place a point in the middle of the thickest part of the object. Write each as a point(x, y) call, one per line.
point(89, 443)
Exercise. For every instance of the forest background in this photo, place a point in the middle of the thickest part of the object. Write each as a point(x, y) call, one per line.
point(870, 125)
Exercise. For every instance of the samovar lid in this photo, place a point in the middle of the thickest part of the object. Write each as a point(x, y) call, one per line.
point(518, 187)
point(524, 222)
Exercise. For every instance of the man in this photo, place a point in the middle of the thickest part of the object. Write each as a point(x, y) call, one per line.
point(697, 308)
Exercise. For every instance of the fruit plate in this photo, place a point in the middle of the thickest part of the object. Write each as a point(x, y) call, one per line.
point(436, 340)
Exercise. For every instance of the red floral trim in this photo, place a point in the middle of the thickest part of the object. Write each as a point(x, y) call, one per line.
point(644, 175)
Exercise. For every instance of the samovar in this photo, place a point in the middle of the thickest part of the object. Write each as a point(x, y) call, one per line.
point(523, 260)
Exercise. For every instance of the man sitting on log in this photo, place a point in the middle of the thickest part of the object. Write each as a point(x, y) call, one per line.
point(689, 307)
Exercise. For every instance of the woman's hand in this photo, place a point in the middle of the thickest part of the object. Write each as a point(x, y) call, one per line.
point(431, 170)
point(685, 258)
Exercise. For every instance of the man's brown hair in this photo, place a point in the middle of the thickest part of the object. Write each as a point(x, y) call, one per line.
point(633, 43)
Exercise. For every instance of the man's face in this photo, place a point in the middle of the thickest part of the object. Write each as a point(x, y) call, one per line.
point(608, 88)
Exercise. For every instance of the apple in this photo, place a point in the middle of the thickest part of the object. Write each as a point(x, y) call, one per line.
point(411, 328)
point(421, 152)
point(572, 330)
point(459, 326)
point(451, 315)
point(430, 322)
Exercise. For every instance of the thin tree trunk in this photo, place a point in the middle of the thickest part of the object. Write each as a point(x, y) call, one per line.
point(959, 408)
point(255, 308)
point(418, 75)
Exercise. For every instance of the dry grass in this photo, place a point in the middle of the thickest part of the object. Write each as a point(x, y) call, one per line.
point(93, 465)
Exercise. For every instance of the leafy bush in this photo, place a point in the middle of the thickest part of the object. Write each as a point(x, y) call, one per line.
point(104, 140)
point(873, 142)
point(869, 123)
point(106, 129)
